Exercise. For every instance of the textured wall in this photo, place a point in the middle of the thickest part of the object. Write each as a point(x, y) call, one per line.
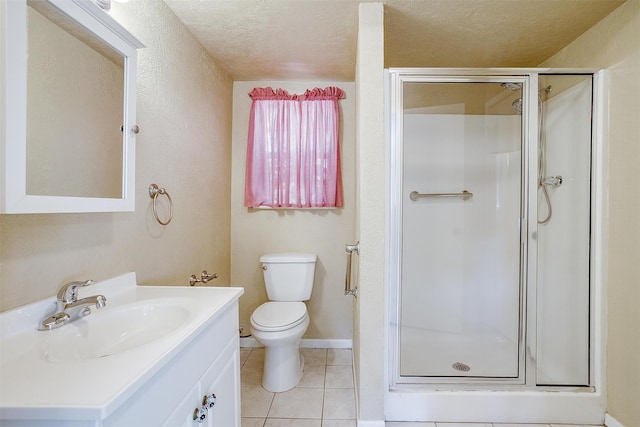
point(323, 232)
point(369, 317)
point(614, 43)
point(184, 112)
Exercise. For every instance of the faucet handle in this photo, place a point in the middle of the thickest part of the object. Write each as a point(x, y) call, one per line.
point(54, 321)
point(205, 277)
point(69, 292)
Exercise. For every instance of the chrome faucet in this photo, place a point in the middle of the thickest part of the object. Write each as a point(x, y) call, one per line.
point(70, 308)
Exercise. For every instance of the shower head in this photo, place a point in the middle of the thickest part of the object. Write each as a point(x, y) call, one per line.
point(544, 92)
point(511, 86)
point(517, 105)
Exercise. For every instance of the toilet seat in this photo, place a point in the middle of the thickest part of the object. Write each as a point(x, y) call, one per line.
point(278, 315)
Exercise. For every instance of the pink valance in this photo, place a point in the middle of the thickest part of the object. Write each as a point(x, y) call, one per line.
point(267, 93)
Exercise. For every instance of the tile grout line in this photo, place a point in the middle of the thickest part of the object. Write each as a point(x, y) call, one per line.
point(324, 387)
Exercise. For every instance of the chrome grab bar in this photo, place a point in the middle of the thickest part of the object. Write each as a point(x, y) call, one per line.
point(465, 195)
point(349, 250)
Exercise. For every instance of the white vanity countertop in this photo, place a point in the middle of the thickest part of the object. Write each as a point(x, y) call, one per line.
point(35, 385)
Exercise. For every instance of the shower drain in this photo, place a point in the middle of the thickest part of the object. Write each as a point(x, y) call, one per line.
point(459, 366)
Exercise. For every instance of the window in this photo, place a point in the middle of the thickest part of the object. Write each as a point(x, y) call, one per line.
point(293, 151)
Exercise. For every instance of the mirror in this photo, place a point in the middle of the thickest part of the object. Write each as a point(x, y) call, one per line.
point(70, 111)
point(76, 150)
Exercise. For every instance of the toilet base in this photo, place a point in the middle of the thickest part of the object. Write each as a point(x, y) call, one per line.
point(283, 362)
point(283, 366)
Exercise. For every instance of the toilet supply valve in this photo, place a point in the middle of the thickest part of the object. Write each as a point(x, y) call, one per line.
point(204, 277)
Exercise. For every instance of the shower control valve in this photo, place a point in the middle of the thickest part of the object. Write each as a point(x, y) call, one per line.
point(553, 181)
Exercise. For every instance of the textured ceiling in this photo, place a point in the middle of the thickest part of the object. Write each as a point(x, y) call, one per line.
point(316, 39)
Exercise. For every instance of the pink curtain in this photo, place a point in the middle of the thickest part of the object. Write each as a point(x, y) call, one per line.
point(293, 151)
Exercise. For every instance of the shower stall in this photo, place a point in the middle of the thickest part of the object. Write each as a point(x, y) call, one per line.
point(494, 246)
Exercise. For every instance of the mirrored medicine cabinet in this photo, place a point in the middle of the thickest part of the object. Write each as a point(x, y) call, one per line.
point(68, 143)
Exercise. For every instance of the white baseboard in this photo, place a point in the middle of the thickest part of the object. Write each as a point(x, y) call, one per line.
point(250, 342)
point(322, 343)
point(377, 423)
point(609, 421)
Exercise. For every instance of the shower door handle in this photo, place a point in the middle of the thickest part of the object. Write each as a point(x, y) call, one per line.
point(349, 250)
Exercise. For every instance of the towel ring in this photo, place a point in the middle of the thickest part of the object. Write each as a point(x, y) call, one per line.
point(154, 191)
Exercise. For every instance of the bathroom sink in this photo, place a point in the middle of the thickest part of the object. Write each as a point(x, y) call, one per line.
point(114, 330)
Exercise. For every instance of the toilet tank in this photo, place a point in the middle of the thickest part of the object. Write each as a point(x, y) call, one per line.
point(288, 276)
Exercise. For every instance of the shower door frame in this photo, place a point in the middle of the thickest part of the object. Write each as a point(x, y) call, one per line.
point(423, 398)
point(396, 199)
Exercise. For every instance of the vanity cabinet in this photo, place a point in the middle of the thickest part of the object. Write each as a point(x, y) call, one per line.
point(183, 344)
point(209, 365)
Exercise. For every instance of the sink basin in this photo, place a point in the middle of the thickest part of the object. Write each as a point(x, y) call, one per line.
point(114, 330)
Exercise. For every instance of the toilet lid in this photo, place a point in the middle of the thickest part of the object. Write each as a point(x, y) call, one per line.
point(279, 315)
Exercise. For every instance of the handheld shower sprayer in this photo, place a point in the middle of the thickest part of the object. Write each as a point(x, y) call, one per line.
point(544, 181)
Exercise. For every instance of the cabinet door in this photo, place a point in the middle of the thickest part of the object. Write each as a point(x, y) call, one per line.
point(224, 382)
point(182, 416)
point(221, 379)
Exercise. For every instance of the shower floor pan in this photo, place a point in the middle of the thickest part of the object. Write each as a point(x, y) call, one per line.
point(430, 353)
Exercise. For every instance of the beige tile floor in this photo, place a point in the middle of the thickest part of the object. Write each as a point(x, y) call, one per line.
point(325, 396)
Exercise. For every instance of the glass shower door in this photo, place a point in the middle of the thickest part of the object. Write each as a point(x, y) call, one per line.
point(460, 285)
point(564, 231)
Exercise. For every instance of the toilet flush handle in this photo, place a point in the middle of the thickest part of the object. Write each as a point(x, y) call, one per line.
point(262, 267)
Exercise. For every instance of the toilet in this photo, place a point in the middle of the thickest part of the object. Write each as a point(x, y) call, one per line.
point(280, 323)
